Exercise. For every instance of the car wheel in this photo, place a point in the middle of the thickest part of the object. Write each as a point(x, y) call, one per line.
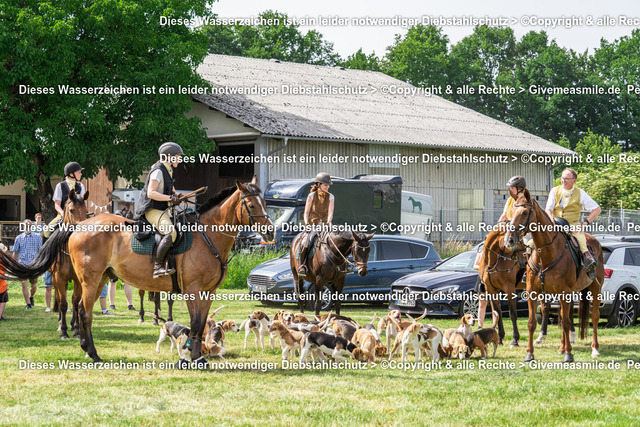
point(470, 304)
point(625, 311)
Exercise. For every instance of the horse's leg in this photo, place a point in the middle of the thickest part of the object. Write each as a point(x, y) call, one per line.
point(545, 308)
point(198, 310)
point(141, 295)
point(338, 286)
point(85, 314)
point(532, 303)
point(566, 325)
point(170, 305)
point(595, 317)
point(499, 321)
point(156, 309)
point(76, 297)
point(572, 333)
point(60, 285)
point(318, 289)
point(513, 315)
point(297, 281)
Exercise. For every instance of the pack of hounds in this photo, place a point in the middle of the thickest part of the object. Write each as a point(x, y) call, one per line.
point(339, 337)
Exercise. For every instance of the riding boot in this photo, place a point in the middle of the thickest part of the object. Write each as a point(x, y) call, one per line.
point(159, 268)
point(302, 270)
point(589, 262)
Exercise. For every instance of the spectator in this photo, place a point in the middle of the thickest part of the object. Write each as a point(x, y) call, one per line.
point(25, 249)
point(48, 284)
point(128, 293)
point(4, 288)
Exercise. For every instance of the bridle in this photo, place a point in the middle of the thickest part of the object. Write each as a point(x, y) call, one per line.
point(357, 264)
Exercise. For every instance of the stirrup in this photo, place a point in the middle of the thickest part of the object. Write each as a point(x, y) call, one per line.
point(302, 270)
point(160, 270)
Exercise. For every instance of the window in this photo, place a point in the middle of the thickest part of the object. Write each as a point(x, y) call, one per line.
point(632, 256)
point(418, 251)
point(395, 250)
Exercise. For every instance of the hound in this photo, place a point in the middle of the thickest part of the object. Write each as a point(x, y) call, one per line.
point(258, 323)
point(290, 340)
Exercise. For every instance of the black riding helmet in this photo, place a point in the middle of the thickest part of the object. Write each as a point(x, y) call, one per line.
point(324, 178)
point(72, 167)
point(517, 181)
point(170, 149)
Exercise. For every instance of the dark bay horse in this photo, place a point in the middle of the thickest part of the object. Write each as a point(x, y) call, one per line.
point(102, 247)
point(551, 271)
point(329, 264)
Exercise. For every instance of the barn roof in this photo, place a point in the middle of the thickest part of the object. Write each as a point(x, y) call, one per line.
point(364, 114)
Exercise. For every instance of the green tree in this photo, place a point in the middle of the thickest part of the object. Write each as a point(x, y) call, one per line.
point(362, 61)
point(45, 46)
point(419, 58)
point(282, 40)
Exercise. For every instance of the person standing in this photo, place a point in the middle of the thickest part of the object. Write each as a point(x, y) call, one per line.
point(4, 288)
point(567, 201)
point(38, 228)
point(25, 248)
point(155, 198)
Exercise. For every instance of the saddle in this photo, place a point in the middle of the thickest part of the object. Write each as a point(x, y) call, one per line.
point(143, 245)
point(574, 247)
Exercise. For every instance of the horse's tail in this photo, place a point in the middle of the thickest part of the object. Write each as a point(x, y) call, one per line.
point(48, 253)
point(583, 312)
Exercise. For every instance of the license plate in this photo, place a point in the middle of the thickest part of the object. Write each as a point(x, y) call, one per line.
point(260, 288)
point(406, 302)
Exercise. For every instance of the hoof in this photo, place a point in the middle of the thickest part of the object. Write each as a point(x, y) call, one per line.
point(572, 337)
point(183, 364)
point(514, 344)
point(64, 336)
point(595, 353)
point(529, 357)
point(155, 323)
point(568, 358)
point(140, 321)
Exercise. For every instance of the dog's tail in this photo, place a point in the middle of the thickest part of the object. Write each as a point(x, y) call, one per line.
point(247, 320)
point(215, 312)
point(156, 317)
point(323, 325)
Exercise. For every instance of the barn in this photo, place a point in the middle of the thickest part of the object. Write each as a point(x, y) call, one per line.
point(295, 120)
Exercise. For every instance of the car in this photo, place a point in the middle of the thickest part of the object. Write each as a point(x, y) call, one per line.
point(621, 288)
point(611, 237)
point(447, 290)
point(390, 257)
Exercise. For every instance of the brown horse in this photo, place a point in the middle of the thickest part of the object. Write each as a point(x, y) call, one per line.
point(551, 271)
point(102, 247)
point(75, 211)
point(502, 269)
point(329, 264)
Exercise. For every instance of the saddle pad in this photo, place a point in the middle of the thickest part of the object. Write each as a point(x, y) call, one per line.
point(145, 247)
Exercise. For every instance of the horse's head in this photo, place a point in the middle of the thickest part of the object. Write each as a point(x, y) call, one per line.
point(360, 251)
point(75, 209)
point(522, 217)
point(252, 209)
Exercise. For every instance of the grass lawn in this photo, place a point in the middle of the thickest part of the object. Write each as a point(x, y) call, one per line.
point(458, 393)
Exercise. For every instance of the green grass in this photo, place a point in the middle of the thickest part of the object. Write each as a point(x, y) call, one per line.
point(452, 246)
point(241, 265)
point(454, 394)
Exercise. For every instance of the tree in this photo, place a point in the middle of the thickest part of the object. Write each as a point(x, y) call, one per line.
point(419, 58)
point(94, 46)
point(362, 61)
point(282, 40)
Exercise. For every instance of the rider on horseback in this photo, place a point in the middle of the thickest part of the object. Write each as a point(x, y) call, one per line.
point(318, 209)
point(156, 195)
point(566, 201)
point(516, 184)
point(72, 176)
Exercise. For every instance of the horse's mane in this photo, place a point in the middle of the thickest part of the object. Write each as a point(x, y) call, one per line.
point(223, 194)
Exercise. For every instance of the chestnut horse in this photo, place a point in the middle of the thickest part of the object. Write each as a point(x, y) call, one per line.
point(501, 269)
point(329, 264)
point(102, 247)
point(551, 271)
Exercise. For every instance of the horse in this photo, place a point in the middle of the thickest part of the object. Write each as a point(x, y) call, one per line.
point(551, 270)
point(101, 247)
point(415, 204)
point(501, 269)
point(329, 264)
point(75, 211)
point(155, 297)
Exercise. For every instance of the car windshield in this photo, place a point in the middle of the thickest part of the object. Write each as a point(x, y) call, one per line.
point(460, 262)
point(279, 214)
